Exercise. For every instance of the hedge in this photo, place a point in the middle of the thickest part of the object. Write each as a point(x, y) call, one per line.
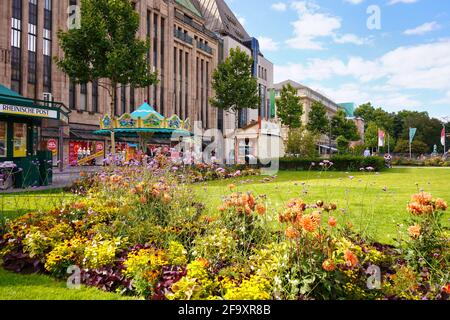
point(340, 163)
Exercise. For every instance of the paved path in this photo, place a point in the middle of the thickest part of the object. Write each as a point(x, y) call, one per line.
point(60, 179)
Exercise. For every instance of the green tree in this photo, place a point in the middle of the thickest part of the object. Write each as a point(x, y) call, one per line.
point(290, 109)
point(417, 147)
point(341, 126)
point(371, 135)
point(302, 142)
point(234, 85)
point(428, 129)
point(382, 118)
point(342, 144)
point(318, 121)
point(105, 49)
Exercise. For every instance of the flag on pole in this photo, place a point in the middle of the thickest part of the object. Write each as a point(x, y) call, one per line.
point(443, 137)
point(381, 138)
point(412, 134)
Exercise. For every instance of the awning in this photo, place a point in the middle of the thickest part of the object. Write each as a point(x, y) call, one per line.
point(83, 135)
point(12, 103)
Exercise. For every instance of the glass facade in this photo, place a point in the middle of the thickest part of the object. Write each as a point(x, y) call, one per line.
point(95, 97)
point(16, 45)
point(83, 97)
point(47, 45)
point(32, 39)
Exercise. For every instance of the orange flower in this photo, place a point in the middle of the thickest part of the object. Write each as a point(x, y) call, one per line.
point(296, 205)
point(446, 288)
point(350, 258)
point(203, 261)
point(292, 233)
point(83, 174)
point(248, 210)
point(79, 205)
point(231, 186)
point(310, 222)
point(133, 191)
point(260, 208)
point(221, 208)
point(143, 200)
point(422, 198)
point(140, 187)
point(441, 204)
point(328, 265)
point(167, 198)
point(415, 231)
point(418, 209)
point(332, 222)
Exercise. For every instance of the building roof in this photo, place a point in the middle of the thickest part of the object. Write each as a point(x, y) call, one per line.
point(298, 86)
point(190, 6)
point(219, 18)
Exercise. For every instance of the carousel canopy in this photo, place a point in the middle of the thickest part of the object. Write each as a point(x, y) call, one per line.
point(145, 111)
point(145, 122)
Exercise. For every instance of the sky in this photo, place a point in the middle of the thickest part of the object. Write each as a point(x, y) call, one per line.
point(393, 53)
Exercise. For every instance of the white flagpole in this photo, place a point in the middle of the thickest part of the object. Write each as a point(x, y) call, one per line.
point(410, 145)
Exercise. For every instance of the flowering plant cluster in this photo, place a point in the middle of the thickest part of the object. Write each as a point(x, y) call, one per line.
point(141, 232)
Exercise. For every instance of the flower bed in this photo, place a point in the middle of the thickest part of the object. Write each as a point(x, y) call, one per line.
point(140, 231)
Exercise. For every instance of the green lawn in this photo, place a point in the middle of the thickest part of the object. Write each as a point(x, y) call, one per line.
point(30, 287)
point(14, 205)
point(370, 209)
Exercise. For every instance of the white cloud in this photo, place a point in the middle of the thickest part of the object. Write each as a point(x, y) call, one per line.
point(268, 44)
point(422, 29)
point(279, 6)
point(393, 79)
point(313, 25)
point(241, 20)
point(392, 2)
point(354, 1)
point(350, 38)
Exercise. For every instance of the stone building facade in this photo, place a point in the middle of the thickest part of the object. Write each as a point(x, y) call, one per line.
point(183, 51)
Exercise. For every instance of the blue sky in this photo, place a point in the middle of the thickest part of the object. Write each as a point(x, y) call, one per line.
point(397, 56)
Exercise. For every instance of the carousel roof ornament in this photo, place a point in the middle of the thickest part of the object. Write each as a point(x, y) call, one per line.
point(144, 121)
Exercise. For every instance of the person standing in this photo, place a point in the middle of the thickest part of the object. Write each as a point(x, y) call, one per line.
point(367, 153)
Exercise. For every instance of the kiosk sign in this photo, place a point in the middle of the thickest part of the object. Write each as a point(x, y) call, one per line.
point(28, 111)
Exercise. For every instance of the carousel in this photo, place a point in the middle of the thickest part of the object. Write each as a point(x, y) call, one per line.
point(146, 125)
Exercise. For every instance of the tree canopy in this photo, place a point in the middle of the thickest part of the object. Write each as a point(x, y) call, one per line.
point(105, 47)
point(233, 82)
point(341, 126)
point(318, 121)
point(398, 124)
point(290, 108)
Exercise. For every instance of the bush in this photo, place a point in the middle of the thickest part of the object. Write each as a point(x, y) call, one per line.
point(340, 163)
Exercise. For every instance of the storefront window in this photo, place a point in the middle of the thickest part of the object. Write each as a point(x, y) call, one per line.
point(36, 139)
point(20, 140)
point(3, 139)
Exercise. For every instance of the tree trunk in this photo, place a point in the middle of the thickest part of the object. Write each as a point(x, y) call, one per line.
point(113, 99)
point(236, 143)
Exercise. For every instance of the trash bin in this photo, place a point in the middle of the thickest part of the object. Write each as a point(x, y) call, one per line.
point(28, 175)
point(45, 167)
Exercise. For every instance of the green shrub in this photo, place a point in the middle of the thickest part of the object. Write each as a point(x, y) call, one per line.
point(340, 163)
